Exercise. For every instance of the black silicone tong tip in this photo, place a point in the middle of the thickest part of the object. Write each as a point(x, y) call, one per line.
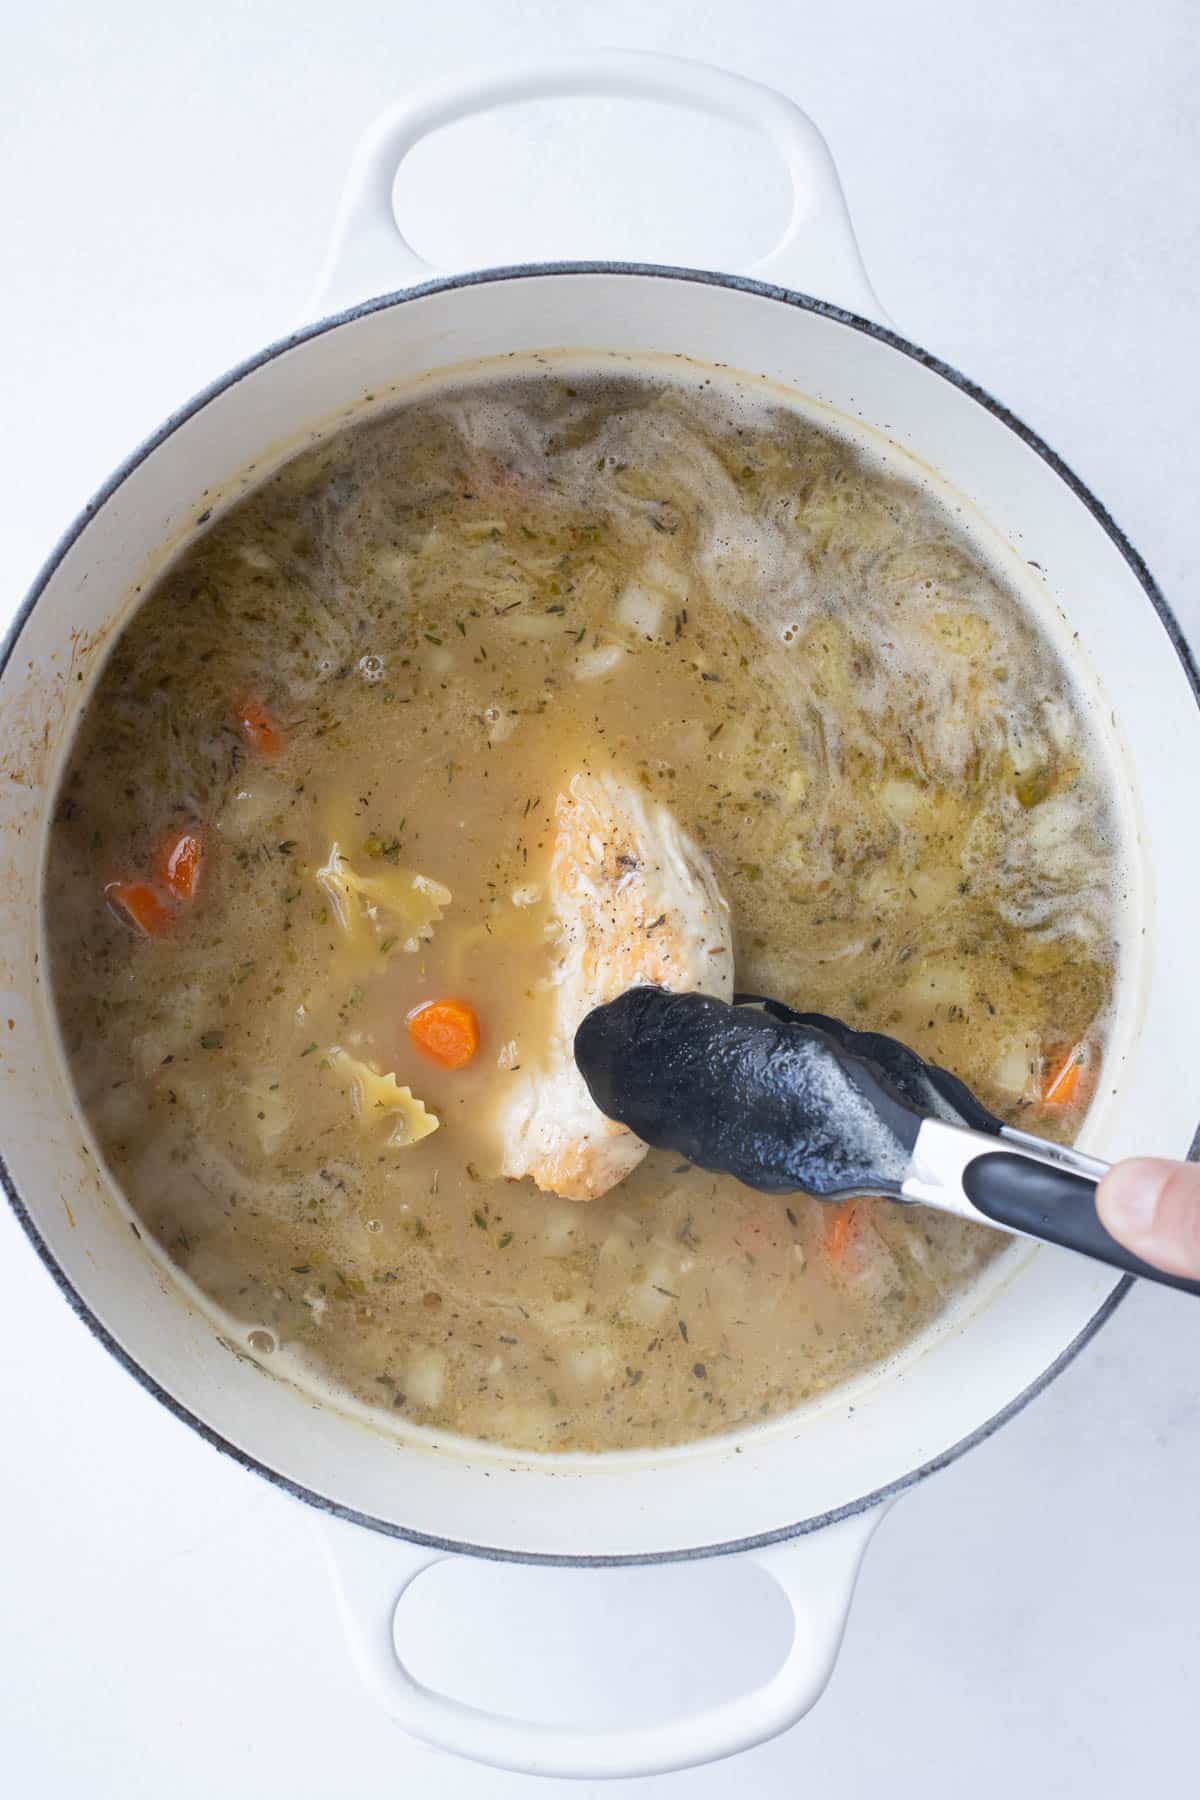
point(780, 1103)
point(921, 1085)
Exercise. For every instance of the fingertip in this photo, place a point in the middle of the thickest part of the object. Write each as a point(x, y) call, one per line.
point(1152, 1206)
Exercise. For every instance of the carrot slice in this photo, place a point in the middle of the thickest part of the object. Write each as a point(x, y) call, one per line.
point(259, 728)
point(446, 1031)
point(839, 1227)
point(178, 863)
point(1062, 1080)
point(140, 905)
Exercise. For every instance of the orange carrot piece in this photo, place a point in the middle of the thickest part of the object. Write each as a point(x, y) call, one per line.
point(259, 728)
point(140, 905)
point(447, 1031)
point(1062, 1080)
point(178, 863)
point(839, 1227)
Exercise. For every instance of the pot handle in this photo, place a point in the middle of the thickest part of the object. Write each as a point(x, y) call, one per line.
point(817, 1573)
point(817, 253)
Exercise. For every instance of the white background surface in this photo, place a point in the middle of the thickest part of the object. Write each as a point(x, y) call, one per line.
point(1024, 180)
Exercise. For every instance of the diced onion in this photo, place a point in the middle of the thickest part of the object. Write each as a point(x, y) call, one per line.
point(649, 1300)
point(1012, 1072)
point(639, 611)
point(425, 1377)
point(594, 664)
point(898, 800)
point(560, 1228)
point(592, 1364)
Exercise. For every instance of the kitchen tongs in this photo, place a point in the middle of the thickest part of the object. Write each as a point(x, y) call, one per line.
point(788, 1101)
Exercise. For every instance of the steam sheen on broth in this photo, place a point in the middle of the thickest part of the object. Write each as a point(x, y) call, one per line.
point(360, 695)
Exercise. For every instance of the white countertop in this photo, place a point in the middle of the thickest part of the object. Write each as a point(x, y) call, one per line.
point(1024, 183)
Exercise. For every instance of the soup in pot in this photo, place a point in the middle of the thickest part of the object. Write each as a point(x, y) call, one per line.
point(470, 717)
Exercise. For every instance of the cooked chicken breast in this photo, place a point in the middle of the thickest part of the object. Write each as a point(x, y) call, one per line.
point(636, 901)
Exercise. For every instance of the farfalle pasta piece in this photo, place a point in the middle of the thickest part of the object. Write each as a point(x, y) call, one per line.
point(379, 1097)
point(395, 903)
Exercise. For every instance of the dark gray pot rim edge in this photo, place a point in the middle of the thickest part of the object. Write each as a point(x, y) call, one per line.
point(745, 284)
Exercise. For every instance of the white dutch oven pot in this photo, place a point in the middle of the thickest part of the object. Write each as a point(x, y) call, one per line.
point(800, 1495)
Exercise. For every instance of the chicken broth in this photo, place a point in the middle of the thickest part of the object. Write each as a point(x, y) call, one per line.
point(457, 693)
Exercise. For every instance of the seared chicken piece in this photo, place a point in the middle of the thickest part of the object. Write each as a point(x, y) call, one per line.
point(635, 901)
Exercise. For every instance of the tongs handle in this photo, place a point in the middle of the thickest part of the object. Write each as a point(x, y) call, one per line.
point(1042, 1201)
point(1021, 1183)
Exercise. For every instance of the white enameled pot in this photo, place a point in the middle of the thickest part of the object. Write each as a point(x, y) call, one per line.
point(801, 1494)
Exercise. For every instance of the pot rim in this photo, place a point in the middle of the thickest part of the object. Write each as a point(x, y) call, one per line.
point(532, 271)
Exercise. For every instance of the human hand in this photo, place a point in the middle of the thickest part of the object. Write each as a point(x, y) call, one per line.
point(1152, 1206)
